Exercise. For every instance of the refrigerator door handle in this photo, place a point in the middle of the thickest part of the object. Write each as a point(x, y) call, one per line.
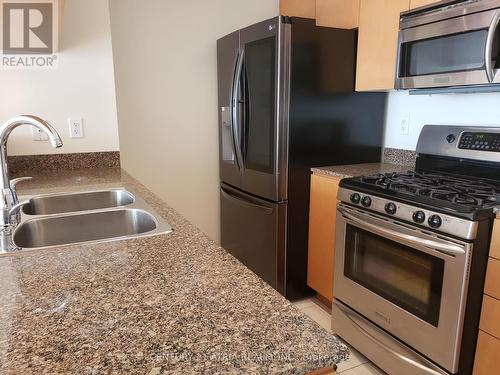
point(241, 201)
point(235, 131)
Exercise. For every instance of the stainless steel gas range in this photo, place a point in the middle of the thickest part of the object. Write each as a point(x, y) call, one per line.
point(411, 254)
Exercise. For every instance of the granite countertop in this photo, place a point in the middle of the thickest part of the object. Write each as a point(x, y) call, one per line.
point(367, 169)
point(171, 304)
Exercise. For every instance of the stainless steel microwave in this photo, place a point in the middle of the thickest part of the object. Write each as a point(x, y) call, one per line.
point(450, 44)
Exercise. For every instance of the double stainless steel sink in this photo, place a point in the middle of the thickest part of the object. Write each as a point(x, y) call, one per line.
point(77, 218)
point(72, 202)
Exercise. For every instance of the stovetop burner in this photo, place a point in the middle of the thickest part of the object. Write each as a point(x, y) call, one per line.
point(454, 174)
point(472, 193)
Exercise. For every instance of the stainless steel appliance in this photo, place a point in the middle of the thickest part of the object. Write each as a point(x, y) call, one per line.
point(286, 104)
point(450, 44)
point(411, 254)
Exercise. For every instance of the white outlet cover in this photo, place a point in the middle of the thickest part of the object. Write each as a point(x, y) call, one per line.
point(76, 127)
point(404, 126)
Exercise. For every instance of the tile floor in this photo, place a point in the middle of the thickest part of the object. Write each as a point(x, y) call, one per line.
point(357, 363)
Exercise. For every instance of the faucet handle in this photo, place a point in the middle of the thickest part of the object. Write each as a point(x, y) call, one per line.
point(15, 181)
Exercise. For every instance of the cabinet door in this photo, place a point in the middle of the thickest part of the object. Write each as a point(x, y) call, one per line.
point(492, 283)
point(298, 8)
point(420, 3)
point(490, 316)
point(495, 240)
point(341, 14)
point(322, 217)
point(487, 360)
point(377, 44)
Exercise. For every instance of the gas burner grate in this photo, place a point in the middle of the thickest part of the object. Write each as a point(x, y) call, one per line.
point(475, 193)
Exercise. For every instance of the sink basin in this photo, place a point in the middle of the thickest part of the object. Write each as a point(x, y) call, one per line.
point(86, 227)
point(73, 202)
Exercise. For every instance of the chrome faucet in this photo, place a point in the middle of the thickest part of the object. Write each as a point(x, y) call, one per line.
point(9, 201)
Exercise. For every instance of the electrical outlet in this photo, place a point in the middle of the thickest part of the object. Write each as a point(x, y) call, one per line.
point(404, 126)
point(76, 127)
point(39, 135)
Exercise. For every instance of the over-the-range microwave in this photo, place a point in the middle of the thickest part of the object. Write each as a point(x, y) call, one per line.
point(451, 44)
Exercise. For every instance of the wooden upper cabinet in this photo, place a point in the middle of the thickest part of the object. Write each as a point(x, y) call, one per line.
point(420, 3)
point(342, 14)
point(298, 8)
point(378, 22)
point(377, 43)
point(322, 217)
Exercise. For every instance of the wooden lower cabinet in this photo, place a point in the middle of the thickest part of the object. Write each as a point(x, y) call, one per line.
point(495, 241)
point(490, 317)
point(322, 217)
point(492, 284)
point(487, 355)
point(487, 361)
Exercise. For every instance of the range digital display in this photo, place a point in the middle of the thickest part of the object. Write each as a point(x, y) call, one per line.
point(480, 142)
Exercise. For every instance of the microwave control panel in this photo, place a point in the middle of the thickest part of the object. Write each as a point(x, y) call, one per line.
point(480, 142)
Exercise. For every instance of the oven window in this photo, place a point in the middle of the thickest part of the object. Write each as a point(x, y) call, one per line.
point(409, 278)
point(445, 54)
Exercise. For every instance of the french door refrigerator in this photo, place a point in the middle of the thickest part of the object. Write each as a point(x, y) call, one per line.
point(286, 104)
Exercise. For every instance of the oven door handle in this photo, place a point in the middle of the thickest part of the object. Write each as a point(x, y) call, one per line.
point(490, 71)
point(444, 247)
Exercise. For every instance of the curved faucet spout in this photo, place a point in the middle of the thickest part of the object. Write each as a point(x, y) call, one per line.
point(8, 127)
point(35, 121)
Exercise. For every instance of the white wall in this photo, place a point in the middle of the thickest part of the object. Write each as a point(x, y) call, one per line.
point(450, 109)
point(82, 85)
point(166, 80)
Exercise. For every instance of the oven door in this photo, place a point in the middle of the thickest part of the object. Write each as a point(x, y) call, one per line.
point(460, 51)
point(409, 282)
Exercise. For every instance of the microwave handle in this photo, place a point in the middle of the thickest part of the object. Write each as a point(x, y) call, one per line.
point(490, 71)
point(446, 248)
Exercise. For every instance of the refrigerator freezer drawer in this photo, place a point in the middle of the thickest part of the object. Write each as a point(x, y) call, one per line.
point(253, 231)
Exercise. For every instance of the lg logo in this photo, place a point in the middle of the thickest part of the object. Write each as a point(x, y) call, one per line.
point(27, 28)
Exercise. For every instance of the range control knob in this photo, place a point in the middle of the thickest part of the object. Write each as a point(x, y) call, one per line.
point(390, 208)
point(366, 201)
point(419, 217)
point(435, 221)
point(355, 198)
point(451, 138)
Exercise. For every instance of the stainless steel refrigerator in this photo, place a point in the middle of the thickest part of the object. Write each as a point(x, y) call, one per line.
point(286, 104)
